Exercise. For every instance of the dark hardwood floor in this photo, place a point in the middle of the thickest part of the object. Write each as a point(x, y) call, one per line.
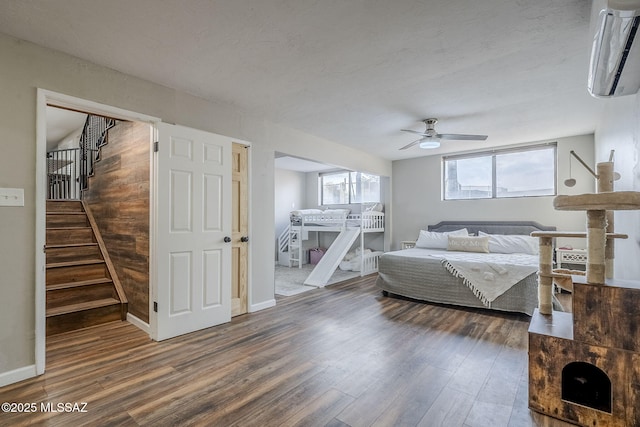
point(339, 356)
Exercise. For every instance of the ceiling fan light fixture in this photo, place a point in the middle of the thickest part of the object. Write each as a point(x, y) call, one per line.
point(429, 143)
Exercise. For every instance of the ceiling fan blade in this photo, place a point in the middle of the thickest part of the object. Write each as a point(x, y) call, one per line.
point(414, 131)
point(411, 144)
point(461, 137)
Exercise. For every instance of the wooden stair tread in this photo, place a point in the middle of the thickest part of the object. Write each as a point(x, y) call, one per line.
point(73, 308)
point(71, 245)
point(64, 213)
point(74, 263)
point(78, 284)
point(69, 228)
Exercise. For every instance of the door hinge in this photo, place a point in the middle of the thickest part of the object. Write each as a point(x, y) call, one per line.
point(156, 146)
point(155, 307)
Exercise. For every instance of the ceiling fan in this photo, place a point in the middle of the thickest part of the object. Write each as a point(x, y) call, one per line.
point(431, 139)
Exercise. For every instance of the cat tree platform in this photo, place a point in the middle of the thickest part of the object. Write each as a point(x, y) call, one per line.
point(614, 201)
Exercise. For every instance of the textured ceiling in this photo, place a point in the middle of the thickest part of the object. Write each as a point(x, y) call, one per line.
point(356, 71)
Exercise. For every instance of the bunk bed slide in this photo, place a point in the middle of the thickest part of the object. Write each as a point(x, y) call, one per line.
point(349, 226)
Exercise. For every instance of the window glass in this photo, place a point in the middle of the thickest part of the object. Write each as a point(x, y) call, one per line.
point(342, 188)
point(468, 178)
point(365, 188)
point(335, 188)
point(530, 173)
point(521, 172)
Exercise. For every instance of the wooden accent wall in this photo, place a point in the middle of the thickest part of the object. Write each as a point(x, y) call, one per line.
point(118, 195)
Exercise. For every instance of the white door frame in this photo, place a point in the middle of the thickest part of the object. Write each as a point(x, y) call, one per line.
point(45, 97)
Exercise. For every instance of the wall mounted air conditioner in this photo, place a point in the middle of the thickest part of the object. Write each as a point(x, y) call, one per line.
point(615, 56)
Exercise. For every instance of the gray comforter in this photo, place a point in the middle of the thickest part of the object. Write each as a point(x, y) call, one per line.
point(411, 274)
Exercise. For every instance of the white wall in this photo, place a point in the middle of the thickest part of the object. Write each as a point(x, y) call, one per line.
point(417, 201)
point(290, 194)
point(620, 130)
point(290, 189)
point(26, 67)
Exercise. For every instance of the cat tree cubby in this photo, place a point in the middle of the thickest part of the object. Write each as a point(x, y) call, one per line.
point(584, 366)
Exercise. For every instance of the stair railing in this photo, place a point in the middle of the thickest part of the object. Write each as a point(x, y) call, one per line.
point(68, 170)
point(283, 240)
point(93, 138)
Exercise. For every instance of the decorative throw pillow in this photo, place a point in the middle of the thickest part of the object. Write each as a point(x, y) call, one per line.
point(468, 244)
point(436, 240)
point(512, 243)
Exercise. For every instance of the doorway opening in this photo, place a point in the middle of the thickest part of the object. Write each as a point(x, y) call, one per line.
point(97, 227)
point(330, 224)
point(146, 195)
point(59, 121)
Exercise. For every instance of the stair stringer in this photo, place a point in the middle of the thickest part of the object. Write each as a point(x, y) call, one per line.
point(331, 259)
point(109, 264)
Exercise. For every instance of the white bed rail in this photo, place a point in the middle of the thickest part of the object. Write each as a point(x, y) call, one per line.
point(337, 220)
point(370, 263)
point(368, 221)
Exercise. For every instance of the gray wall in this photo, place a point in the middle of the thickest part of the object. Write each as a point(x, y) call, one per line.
point(417, 201)
point(26, 67)
point(620, 130)
point(290, 189)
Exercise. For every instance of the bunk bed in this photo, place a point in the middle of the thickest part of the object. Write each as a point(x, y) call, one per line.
point(349, 227)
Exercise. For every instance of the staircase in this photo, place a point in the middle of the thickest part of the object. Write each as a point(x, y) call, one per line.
point(82, 287)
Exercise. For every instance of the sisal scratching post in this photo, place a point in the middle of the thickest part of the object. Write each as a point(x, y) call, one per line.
point(545, 279)
point(596, 239)
point(605, 184)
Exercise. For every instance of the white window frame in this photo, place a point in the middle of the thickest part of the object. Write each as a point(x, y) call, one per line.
point(493, 154)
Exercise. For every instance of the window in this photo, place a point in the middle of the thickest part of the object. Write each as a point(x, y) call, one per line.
point(516, 172)
point(343, 188)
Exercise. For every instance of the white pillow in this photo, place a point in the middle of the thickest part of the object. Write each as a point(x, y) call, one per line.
point(306, 212)
point(336, 212)
point(468, 244)
point(436, 240)
point(512, 243)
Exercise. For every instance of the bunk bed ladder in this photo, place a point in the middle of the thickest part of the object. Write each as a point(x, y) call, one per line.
point(329, 262)
point(295, 247)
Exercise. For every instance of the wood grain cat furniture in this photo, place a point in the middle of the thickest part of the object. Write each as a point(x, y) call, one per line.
point(584, 367)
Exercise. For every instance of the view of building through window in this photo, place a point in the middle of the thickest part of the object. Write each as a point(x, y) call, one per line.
point(521, 172)
point(343, 188)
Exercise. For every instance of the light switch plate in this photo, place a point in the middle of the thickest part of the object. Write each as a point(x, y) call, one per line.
point(11, 196)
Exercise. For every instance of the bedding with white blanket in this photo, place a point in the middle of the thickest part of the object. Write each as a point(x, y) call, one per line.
point(489, 275)
point(506, 282)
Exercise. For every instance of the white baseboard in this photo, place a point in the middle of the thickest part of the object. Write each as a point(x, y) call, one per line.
point(138, 323)
point(17, 375)
point(261, 306)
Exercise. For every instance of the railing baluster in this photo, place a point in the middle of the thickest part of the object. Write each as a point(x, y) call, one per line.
point(69, 169)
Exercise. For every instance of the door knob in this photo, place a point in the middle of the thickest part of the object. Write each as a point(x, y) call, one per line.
point(227, 239)
point(244, 239)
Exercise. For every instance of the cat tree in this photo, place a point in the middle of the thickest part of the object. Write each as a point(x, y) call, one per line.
point(584, 367)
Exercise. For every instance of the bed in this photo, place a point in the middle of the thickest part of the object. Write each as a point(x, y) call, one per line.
point(312, 219)
point(303, 221)
point(425, 274)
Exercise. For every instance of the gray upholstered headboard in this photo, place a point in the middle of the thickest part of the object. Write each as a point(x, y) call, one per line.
point(491, 227)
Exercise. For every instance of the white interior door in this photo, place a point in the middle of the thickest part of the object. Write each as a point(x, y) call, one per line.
point(193, 218)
